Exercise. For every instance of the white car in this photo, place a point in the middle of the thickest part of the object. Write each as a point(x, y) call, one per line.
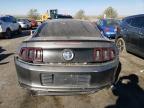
point(24, 23)
point(9, 25)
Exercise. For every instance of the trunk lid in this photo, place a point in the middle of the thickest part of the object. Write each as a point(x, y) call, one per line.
point(83, 50)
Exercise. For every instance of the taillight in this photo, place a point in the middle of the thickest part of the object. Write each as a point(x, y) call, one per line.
point(107, 29)
point(116, 29)
point(103, 54)
point(31, 54)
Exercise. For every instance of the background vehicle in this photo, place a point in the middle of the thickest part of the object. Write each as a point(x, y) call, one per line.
point(24, 23)
point(53, 14)
point(9, 25)
point(131, 35)
point(108, 27)
point(33, 23)
point(67, 57)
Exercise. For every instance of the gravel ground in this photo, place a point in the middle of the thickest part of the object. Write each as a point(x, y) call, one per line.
point(128, 94)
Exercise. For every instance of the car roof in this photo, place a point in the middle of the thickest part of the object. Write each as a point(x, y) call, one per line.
point(109, 19)
point(23, 19)
point(132, 16)
point(3, 17)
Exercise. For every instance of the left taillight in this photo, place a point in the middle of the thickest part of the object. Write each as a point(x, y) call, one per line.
point(31, 54)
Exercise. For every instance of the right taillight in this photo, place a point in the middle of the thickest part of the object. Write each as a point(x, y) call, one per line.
point(103, 54)
point(31, 54)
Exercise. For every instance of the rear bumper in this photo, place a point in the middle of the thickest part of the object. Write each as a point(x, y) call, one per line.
point(24, 26)
point(1, 34)
point(29, 77)
point(111, 35)
point(62, 91)
point(1, 30)
point(34, 25)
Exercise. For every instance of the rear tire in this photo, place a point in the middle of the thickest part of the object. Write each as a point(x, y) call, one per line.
point(19, 30)
point(114, 87)
point(117, 73)
point(120, 43)
point(8, 34)
point(31, 93)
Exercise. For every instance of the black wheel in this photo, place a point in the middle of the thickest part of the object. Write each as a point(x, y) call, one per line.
point(114, 86)
point(120, 43)
point(8, 34)
point(31, 93)
point(117, 73)
point(19, 30)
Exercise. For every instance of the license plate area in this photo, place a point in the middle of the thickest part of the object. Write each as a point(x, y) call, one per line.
point(62, 79)
point(71, 79)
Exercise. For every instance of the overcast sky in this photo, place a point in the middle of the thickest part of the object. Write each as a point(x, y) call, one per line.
point(91, 7)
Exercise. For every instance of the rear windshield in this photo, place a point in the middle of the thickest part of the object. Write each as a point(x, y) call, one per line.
point(71, 28)
point(109, 22)
point(23, 20)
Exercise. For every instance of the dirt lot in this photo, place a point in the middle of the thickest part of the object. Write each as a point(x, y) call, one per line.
point(128, 95)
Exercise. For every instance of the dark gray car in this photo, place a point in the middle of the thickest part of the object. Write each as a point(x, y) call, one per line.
point(66, 57)
point(131, 35)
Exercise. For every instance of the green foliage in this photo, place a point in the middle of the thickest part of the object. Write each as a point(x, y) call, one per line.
point(33, 14)
point(111, 12)
point(100, 16)
point(80, 15)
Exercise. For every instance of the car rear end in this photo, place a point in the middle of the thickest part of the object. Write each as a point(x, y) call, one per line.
point(1, 28)
point(33, 23)
point(62, 66)
point(24, 23)
point(110, 32)
point(110, 27)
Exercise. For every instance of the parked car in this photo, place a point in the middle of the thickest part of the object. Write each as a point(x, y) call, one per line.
point(33, 23)
point(24, 23)
point(9, 25)
point(131, 35)
point(66, 56)
point(108, 27)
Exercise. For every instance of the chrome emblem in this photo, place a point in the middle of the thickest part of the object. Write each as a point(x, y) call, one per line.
point(68, 54)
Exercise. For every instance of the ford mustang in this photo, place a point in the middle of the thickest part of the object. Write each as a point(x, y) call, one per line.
point(66, 57)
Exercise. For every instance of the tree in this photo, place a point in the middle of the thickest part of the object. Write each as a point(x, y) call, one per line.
point(80, 15)
point(33, 13)
point(100, 16)
point(110, 12)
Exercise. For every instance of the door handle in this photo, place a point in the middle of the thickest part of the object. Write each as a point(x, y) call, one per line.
point(140, 33)
point(124, 29)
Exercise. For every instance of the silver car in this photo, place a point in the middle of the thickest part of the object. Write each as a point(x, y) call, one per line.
point(24, 23)
point(66, 57)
